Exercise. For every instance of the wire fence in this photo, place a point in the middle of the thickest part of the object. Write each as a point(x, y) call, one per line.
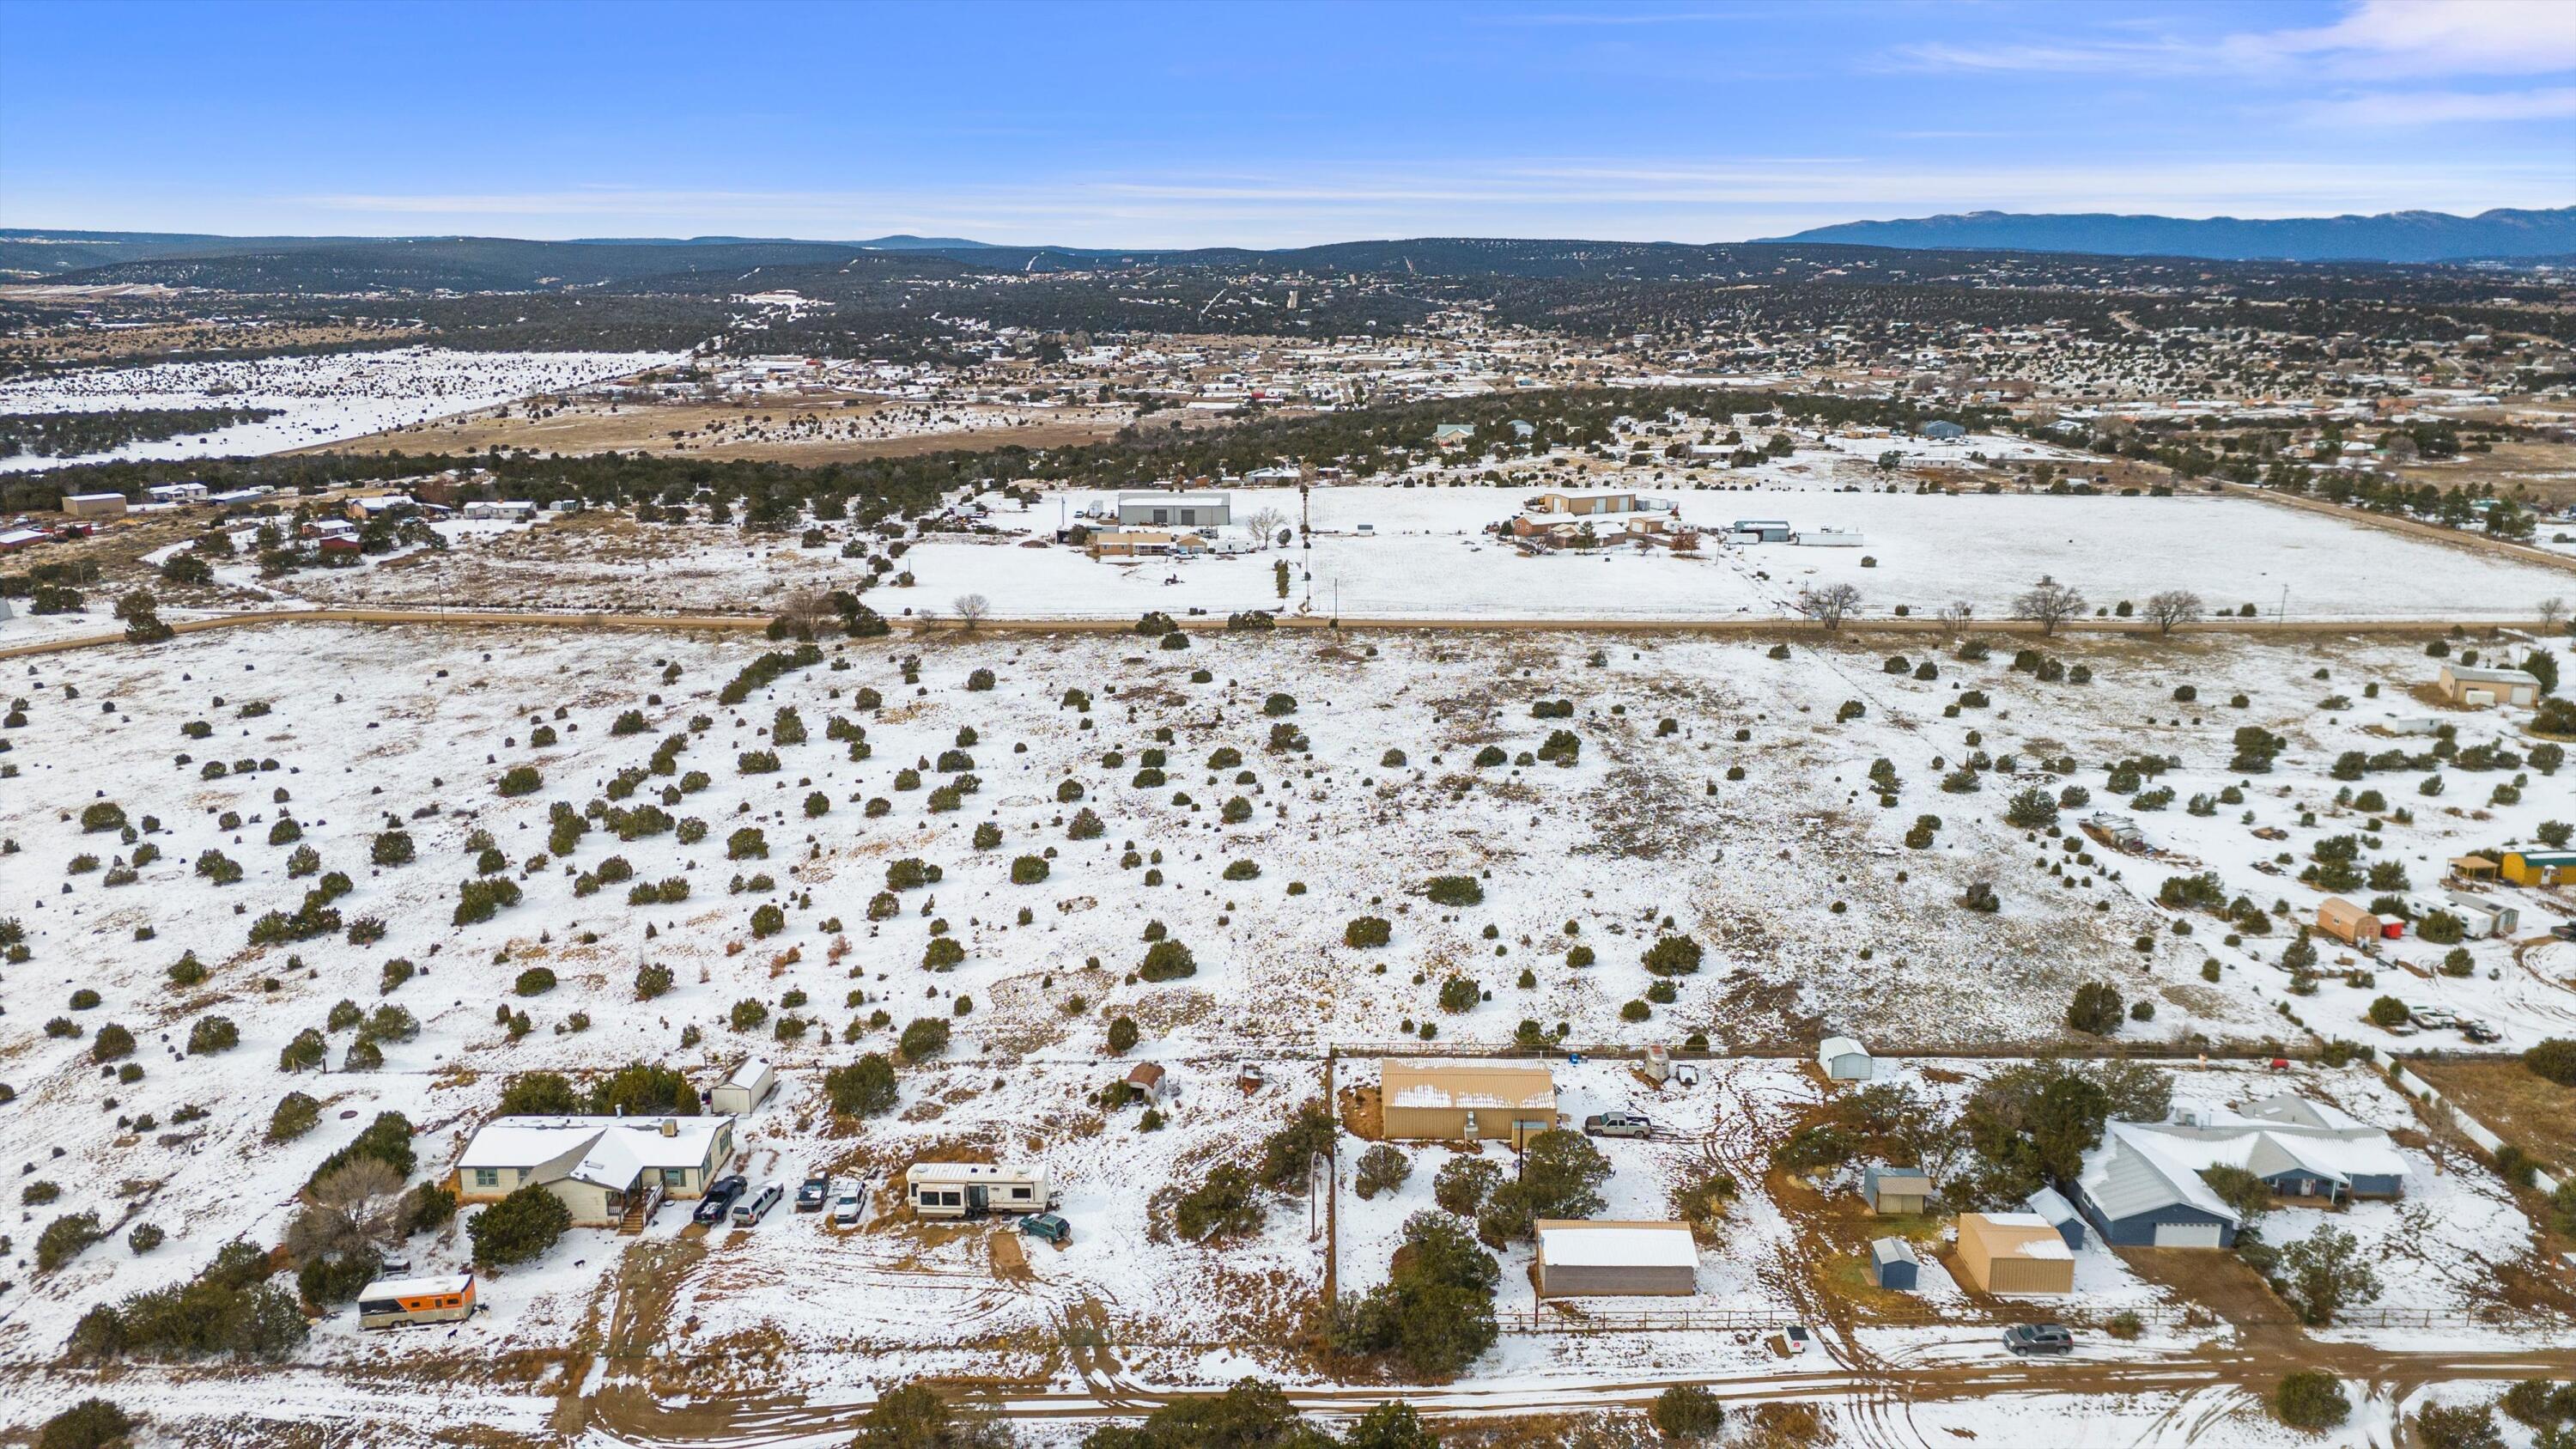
point(1568, 1319)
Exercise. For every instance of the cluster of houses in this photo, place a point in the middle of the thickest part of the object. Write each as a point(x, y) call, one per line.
point(1155, 523)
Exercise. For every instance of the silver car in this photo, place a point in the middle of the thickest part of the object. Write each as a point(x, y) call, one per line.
point(849, 1202)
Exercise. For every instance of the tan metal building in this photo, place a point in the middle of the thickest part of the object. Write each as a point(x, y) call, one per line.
point(2015, 1253)
point(94, 505)
point(1456, 1101)
point(1587, 1259)
point(2485, 688)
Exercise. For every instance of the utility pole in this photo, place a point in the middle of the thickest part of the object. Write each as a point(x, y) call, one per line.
point(1306, 536)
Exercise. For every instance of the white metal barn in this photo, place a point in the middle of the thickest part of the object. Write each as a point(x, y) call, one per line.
point(740, 1094)
point(1845, 1060)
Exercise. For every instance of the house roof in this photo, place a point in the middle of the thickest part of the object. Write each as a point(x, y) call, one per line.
point(1840, 1046)
point(534, 1141)
point(1515, 1086)
point(1891, 1250)
point(1880, 1172)
point(1608, 1244)
point(2545, 857)
point(2476, 675)
point(2144, 1166)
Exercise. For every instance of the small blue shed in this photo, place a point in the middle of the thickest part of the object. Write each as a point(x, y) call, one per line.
point(1893, 1264)
point(2052, 1205)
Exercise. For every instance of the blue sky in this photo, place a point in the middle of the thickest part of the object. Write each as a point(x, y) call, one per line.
point(1253, 124)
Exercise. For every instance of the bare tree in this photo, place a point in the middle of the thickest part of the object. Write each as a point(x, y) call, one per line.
point(1828, 605)
point(811, 608)
point(1265, 524)
point(352, 1207)
point(1954, 617)
point(2050, 602)
point(2552, 609)
point(972, 609)
point(2173, 606)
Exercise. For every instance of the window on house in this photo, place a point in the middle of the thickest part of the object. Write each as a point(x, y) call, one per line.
point(487, 1177)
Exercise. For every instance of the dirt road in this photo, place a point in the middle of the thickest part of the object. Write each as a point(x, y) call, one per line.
point(1719, 628)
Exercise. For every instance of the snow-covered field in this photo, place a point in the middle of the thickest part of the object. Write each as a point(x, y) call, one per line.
point(1426, 557)
point(320, 398)
point(1792, 875)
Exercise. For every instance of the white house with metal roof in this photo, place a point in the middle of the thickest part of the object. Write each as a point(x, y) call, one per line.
point(607, 1170)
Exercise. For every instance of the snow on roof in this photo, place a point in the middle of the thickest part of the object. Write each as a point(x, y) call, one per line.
point(442, 1284)
point(1575, 1244)
point(1839, 1046)
point(2023, 1235)
point(533, 1141)
point(748, 1074)
point(2490, 676)
point(2049, 1206)
point(1485, 1085)
point(2129, 1176)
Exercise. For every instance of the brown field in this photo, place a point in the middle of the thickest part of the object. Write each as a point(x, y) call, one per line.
point(2543, 473)
point(85, 345)
point(649, 429)
point(2525, 1109)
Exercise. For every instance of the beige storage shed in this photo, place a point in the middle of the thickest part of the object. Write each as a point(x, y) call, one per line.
point(2015, 1253)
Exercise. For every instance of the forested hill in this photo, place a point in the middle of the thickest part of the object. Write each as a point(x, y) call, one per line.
point(2397, 236)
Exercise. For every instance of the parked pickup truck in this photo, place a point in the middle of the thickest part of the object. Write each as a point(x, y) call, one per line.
point(719, 1199)
point(1617, 1124)
point(2479, 1031)
point(812, 1193)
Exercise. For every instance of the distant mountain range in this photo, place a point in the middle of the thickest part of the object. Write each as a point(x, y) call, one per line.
point(346, 264)
point(2396, 236)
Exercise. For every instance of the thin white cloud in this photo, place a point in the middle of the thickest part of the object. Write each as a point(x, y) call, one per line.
point(2398, 110)
point(1625, 197)
point(2375, 40)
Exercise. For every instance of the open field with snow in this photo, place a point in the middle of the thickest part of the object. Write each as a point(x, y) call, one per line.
point(1750, 823)
point(1427, 558)
point(320, 398)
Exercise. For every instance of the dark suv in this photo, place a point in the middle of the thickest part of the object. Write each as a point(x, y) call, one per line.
point(813, 1193)
point(2038, 1338)
point(719, 1200)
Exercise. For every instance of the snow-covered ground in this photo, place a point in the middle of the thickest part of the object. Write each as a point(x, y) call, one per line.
point(367, 728)
point(320, 397)
point(1426, 557)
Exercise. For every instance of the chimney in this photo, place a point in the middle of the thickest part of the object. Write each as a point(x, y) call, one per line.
point(670, 1127)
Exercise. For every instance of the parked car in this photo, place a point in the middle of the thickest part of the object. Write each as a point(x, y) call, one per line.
point(2038, 1338)
point(719, 1199)
point(2564, 930)
point(1048, 1228)
point(749, 1213)
point(2479, 1031)
point(1617, 1124)
point(813, 1193)
point(849, 1201)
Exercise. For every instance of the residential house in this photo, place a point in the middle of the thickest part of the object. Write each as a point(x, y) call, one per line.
point(1592, 501)
point(1449, 437)
point(607, 1170)
point(1447, 1101)
point(2143, 1187)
